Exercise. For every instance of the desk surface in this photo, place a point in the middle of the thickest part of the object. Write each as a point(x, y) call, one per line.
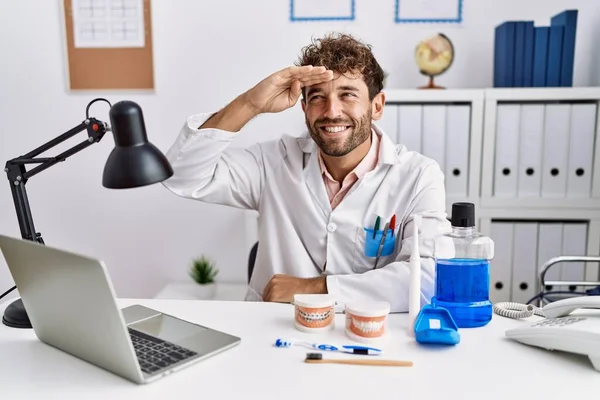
point(484, 365)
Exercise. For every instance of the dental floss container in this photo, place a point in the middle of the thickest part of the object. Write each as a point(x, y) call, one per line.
point(366, 322)
point(314, 313)
point(414, 300)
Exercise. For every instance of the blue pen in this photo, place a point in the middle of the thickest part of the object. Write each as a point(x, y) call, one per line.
point(364, 350)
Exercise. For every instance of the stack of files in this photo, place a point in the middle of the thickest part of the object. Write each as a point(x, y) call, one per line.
point(530, 56)
point(544, 151)
point(440, 132)
point(522, 247)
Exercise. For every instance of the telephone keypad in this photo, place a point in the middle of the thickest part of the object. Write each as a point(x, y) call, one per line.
point(562, 321)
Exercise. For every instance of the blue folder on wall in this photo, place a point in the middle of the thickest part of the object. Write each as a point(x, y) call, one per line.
point(568, 20)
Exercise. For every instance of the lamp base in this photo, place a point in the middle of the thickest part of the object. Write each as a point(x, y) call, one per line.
point(16, 316)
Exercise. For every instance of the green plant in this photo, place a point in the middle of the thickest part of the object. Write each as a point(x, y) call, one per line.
point(203, 271)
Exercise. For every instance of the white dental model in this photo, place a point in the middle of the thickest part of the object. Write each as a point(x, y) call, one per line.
point(414, 300)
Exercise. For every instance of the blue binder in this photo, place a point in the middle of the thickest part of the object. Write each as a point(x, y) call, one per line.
point(555, 51)
point(504, 54)
point(568, 20)
point(540, 55)
point(528, 54)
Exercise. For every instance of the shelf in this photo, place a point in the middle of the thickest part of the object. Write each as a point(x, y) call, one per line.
point(537, 214)
point(542, 94)
point(589, 204)
point(433, 95)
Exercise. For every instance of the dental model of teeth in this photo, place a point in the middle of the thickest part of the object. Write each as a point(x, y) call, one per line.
point(366, 322)
point(314, 312)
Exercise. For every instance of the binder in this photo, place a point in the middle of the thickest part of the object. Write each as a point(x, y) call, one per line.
point(550, 238)
point(507, 152)
point(581, 150)
point(531, 140)
point(528, 52)
point(540, 55)
point(574, 244)
point(388, 122)
point(504, 54)
point(434, 133)
point(521, 29)
point(501, 265)
point(556, 150)
point(524, 262)
point(458, 124)
point(568, 20)
point(409, 126)
point(555, 51)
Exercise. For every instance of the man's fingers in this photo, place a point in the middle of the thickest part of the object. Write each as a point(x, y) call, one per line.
point(324, 76)
point(311, 82)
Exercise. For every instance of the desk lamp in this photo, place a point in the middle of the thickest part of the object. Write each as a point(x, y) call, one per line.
point(132, 163)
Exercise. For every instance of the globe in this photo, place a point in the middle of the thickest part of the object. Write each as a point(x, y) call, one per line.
point(434, 56)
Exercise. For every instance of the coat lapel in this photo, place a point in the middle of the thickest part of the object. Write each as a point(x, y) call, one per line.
point(313, 176)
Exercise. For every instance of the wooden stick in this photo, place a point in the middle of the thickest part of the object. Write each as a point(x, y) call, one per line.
point(385, 363)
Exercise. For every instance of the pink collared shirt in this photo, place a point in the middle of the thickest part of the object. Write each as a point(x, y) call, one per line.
point(337, 191)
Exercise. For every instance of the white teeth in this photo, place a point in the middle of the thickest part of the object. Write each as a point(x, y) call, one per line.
point(367, 326)
point(335, 129)
point(314, 316)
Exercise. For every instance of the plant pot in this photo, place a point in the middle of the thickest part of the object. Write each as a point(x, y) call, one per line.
point(205, 291)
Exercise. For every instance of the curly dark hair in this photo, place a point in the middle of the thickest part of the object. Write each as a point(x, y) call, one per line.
point(343, 53)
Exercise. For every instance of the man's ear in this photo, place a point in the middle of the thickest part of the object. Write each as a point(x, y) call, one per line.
point(303, 103)
point(377, 106)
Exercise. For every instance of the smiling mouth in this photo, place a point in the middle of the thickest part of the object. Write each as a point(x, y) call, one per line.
point(334, 130)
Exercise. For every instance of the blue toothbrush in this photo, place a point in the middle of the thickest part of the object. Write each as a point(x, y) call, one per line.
point(328, 347)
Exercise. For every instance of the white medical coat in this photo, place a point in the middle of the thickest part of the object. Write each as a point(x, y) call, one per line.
point(299, 233)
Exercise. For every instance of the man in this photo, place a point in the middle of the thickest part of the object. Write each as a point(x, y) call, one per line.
point(318, 195)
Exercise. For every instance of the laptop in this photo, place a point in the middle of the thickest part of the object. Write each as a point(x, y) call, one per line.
point(72, 306)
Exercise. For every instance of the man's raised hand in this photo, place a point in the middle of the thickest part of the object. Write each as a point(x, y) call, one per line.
point(282, 89)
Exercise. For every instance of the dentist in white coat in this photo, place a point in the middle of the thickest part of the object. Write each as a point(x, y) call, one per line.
point(317, 194)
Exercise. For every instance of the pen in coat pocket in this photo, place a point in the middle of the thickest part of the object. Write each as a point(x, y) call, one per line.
point(377, 222)
point(393, 223)
point(380, 249)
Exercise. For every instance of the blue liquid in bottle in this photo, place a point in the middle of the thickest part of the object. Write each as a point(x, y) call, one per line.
point(463, 288)
point(462, 283)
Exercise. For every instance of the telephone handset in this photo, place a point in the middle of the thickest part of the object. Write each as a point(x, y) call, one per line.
point(559, 330)
point(556, 309)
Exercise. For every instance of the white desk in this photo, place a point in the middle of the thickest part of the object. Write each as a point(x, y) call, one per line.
point(484, 365)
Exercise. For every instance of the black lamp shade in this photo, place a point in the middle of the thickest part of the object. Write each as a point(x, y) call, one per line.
point(134, 161)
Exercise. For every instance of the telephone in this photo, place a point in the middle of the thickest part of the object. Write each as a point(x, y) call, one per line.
point(579, 334)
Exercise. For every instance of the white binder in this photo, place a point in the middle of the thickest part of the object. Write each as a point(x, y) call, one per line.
point(458, 118)
point(550, 246)
point(524, 262)
point(581, 150)
point(507, 150)
point(388, 122)
point(556, 150)
point(501, 265)
point(574, 244)
point(434, 133)
point(531, 141)
point(410, 121)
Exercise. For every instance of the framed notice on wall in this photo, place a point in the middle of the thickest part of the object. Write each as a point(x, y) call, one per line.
point(109, 44)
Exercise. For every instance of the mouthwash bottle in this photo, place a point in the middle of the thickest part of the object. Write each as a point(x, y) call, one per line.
point(463, 270)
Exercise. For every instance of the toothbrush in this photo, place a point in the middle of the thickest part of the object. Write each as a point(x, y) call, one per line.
point(327, 347)
point(414, 300)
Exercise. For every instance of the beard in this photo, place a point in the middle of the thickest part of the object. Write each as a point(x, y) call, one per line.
point(360, 130)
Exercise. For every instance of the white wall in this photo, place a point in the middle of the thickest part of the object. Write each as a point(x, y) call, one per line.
point(205, 52)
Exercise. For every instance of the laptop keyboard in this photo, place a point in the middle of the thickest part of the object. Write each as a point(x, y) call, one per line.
point(154, 354)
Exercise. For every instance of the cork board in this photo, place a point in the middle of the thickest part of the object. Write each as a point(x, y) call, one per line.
point(109, 67)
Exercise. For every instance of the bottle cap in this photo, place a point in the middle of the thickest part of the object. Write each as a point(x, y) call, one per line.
point(463, 215)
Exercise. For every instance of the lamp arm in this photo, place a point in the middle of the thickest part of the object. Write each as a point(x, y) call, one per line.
point(18, 175)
